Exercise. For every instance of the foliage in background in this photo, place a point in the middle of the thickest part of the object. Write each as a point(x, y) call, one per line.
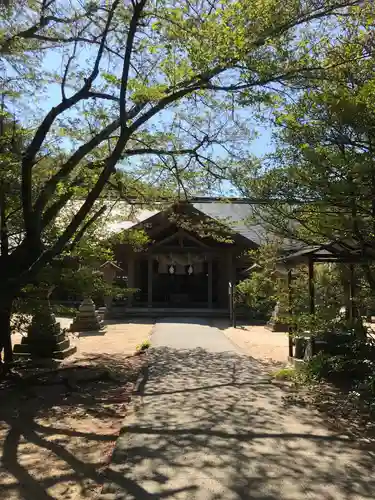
point(320, 180)
point(70, 278)
point(153, 86)
point(268, 285)
point(265, 286)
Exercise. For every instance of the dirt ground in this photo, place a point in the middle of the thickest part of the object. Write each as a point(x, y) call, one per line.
point(118, 338)
point(58, 429)
point(258, 341)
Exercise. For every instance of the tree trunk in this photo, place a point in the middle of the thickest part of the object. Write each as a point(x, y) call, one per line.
point(6, 302)
point(369, 276)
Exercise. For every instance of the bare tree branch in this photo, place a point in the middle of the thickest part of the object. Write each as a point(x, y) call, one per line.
point(109, 162)
point(70, 59)
point(85, 226)
point(103, 95)
point(138, 8)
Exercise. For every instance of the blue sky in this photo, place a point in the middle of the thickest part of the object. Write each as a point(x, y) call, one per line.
point(258, 146)
point(53, 62)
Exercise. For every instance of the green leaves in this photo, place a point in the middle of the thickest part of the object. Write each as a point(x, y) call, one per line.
point(146, 93)
point(111, 79)
point(188, 69)
point(322, 181)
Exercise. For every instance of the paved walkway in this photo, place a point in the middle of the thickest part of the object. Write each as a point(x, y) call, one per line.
point(212, 426)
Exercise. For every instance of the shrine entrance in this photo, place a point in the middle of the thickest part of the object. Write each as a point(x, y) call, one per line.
point(184, 280)
point(181, 269)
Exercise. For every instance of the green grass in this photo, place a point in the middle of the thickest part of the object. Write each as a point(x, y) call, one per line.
point(144, 345)
point(288, 373)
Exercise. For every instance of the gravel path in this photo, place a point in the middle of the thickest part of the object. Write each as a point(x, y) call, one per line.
point(257, 341)
point(190, 333)
point(211, 425)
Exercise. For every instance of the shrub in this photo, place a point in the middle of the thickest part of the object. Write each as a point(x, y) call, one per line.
point(318, 367)
point(144, 345)
point(348, 364)
point(287, 373)
point(62, 310)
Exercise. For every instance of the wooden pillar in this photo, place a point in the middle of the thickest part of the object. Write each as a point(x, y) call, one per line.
point(209, 288)
point(230, 267)
point(230, 300)
point(222, 281)
point(311, 286)
point(352, 310)
point(230, 283)
point(347, 291)
point(149, 281)
point(290, 311)
point(131, 276)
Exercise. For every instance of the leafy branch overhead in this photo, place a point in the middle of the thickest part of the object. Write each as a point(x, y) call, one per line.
point(320, 179)
point(151, 96)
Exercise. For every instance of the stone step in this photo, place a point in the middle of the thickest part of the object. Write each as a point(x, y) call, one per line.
point(65, 353)
point(55, 354)
point(91, 326)
point(32, 347)
point(58, 338)
point(158, 312)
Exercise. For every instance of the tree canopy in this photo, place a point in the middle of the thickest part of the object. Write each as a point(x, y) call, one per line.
point(162, 90)
point(322, 172)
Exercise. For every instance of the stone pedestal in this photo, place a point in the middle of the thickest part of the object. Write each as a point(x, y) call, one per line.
point(45, 339)
point(87, 319)
point(275, 323)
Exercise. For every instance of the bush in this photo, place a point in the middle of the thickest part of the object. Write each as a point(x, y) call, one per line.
point(144, 345)
point(318, 367)
point(285, 374)
point(353, 363)
point(64, 311)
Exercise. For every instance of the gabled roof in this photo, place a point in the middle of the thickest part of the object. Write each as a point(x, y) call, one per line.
point(335, 251)
point(237, 214)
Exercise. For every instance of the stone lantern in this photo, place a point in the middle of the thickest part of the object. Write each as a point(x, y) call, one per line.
point(45, 339)
point(87, 318)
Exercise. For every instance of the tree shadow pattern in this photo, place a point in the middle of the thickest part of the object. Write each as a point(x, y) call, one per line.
point(27, 409)
point(213, 426)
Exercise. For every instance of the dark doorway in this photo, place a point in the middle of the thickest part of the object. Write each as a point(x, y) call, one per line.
point(177, 289)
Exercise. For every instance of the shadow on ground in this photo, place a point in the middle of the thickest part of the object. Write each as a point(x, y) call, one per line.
point(212, 426)
point(53, 426)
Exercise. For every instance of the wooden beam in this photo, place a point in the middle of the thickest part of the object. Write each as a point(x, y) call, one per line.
point(209, 277)
point(290, 311)
point(165, 249)
point(181, 234)
point(149, 280)
point(311, 287)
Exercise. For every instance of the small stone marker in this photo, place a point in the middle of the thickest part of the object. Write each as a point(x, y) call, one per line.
point(275, 324)
point(87, 319)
